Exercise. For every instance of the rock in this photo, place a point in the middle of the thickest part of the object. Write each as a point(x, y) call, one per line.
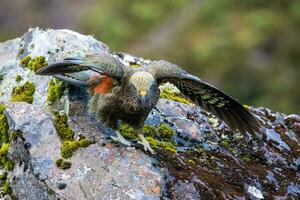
point(212, 162)
point(61, 186)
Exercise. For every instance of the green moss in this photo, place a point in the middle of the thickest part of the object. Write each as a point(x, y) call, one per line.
point(5, 162)
point(3, 125)
point(150, 131)
point(18, 78)
point(14, 135)
point(135, 66)
point(156, 144)
point(25, 61)
point(4, 149)
point(166, 132)
point(3, 175)
point(8, 164)
point(161, 137)
point(60, 163)
point(85, 142)
point(23, 93)
point(167, 93)
point(6, 188)
point(33, 64)
point(62, 127)
point(68, 147)
point(225, 143)
point(246, 158)
point(127, 131)
point(55, 90)
point(191, 162)
point(1, 77)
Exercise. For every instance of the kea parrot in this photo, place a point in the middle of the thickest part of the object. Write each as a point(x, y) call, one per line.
point(121, 92)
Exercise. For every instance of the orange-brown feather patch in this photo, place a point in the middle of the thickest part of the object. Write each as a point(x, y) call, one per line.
point(104, 86)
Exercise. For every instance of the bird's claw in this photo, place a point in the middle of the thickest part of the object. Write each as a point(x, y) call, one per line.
point(120, 139)
point(146, 144)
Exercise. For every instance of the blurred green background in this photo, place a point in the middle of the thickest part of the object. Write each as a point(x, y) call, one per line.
point(249, 48)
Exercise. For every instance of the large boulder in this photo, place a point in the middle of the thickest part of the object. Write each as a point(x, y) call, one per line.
point(204, 159)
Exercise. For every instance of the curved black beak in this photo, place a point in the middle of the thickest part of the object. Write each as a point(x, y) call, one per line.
point(143, 100)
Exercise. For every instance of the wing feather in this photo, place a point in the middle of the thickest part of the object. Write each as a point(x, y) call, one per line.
point(211, 99)
point(101, 63)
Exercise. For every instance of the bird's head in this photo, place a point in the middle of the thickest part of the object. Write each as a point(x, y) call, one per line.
point(144, 85)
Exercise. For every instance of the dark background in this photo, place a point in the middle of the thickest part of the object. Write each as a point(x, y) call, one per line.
point(249, 48)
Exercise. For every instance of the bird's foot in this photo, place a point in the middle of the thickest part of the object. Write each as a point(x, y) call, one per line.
point(145, 143)
point(120, 139)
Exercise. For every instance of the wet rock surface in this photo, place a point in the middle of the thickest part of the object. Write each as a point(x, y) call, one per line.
point(212, 162)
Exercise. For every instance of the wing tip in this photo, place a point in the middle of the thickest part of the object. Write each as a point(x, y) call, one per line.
point(43, 71)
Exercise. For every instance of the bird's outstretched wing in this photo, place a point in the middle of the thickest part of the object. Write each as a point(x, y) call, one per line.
point(71, 69)
point(213, 100)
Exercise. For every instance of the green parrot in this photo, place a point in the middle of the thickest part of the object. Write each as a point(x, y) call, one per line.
point(120, 92)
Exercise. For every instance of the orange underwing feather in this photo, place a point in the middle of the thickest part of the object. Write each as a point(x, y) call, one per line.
point(104, 86)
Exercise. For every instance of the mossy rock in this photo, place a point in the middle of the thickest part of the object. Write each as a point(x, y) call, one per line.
point(167, 93)
point(166, 132)
point(161, 144)
point(62, 127)
point(4, 149)
point(5, 162)
point(55, 90)
point(7, 188)
point(34, 64)
point(3, 125)
point(85, 142)
point(18, 78)
point(69, 147)
point(128, 132)
point(69, 144)
point(23, 93)
point(150, 131)
point(15, 134)
point(62, 164)
point(158, 137)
